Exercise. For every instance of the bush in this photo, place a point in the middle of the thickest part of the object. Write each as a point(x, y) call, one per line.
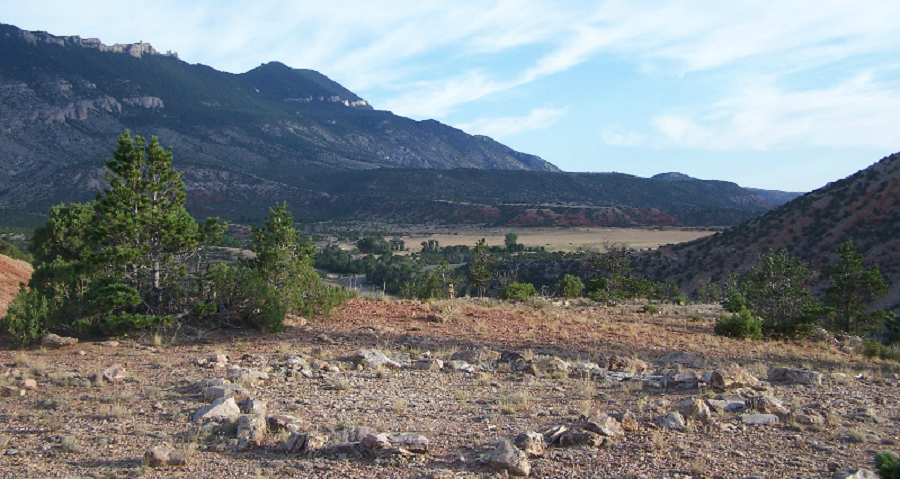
point(874, 349)
point(740, 325)
point(651, 309)
point(888, 465)
point(518, 291)
point(569, 286)
point(25, 318)
point(735, 304)
point(681, 300)
point(9, 249)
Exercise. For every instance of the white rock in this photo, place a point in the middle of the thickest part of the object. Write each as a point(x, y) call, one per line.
point(508, 457)
point(221, 410)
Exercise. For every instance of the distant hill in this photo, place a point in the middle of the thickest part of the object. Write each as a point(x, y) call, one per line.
point(776, 198)
point(864, 208)
point(773, 197)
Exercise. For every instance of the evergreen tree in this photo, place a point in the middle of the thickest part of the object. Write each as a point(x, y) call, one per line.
point(853, 289)
point(778, 291)
point(142, 225)
point(480, 275)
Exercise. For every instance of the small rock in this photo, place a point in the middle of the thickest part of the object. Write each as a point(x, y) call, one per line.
point(415, 443)
point(475, 355)
point(428, 364)
point(580, 438)
point(732, 377)
point(281, 422)
point(373, 359)
point(109, 344)
point(298, 443)
point(295, 321)
point(251, 431)
point(680, 357)
point(55, 341)
point(547, 365)
point(508, 457)
point(674, 420)
point(531, 443)
point(759, 419)
point(229, 391)
point(458, 365)
point(114, 373)
point(436, 318)
point(552, 435)
point(695, 408)
point(27, 384)
point(855, 473)
point(10, 391)
point(253, 406)
point(205, 383)
point(629, 422)
point(164, 456)
point(603, 424)
point(686, 379)
point(221, 410)
point(353, 434)
point(246, 376)
point(795, 376)
point(620, 363)
point(767, 405)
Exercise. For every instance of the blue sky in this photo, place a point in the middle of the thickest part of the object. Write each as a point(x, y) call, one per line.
point(788, 96)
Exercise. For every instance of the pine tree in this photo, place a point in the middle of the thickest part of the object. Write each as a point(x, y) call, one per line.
point(854, 288)
point(142, 225)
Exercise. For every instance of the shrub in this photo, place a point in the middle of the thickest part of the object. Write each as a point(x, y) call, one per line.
point(681, 300)
point(874, 349)
point(740, 325)
point(651, 309)
point(569, 286)
point(25, 318)
point(888, 465)
point(735, 303)
point(518, 291)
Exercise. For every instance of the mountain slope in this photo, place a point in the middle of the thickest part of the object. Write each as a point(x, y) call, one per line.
point(772, 197)
point(64, 100)
point(863, 208)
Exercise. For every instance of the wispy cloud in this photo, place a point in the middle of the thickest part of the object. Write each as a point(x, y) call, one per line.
point(859, 112)
point(538, 119)
point(614, 135)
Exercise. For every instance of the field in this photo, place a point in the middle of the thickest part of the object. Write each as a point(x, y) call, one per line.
point(534, 366)
point(564, 239)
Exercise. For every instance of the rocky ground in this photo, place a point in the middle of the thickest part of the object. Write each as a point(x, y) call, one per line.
point(463, 388)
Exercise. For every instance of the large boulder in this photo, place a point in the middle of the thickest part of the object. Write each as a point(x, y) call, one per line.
point(506, 456)
point(767, 405)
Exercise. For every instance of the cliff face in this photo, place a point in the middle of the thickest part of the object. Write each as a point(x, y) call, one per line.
point(64, 100)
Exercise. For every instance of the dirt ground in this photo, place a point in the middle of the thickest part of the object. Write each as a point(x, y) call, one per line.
point(12, 272)
point(75, 424)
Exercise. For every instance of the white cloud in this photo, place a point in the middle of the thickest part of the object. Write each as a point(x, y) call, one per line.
point(614, 135)
point(539, 118)
point(858, 112)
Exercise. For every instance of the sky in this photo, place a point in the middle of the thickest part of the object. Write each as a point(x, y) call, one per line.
point(783, 95)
